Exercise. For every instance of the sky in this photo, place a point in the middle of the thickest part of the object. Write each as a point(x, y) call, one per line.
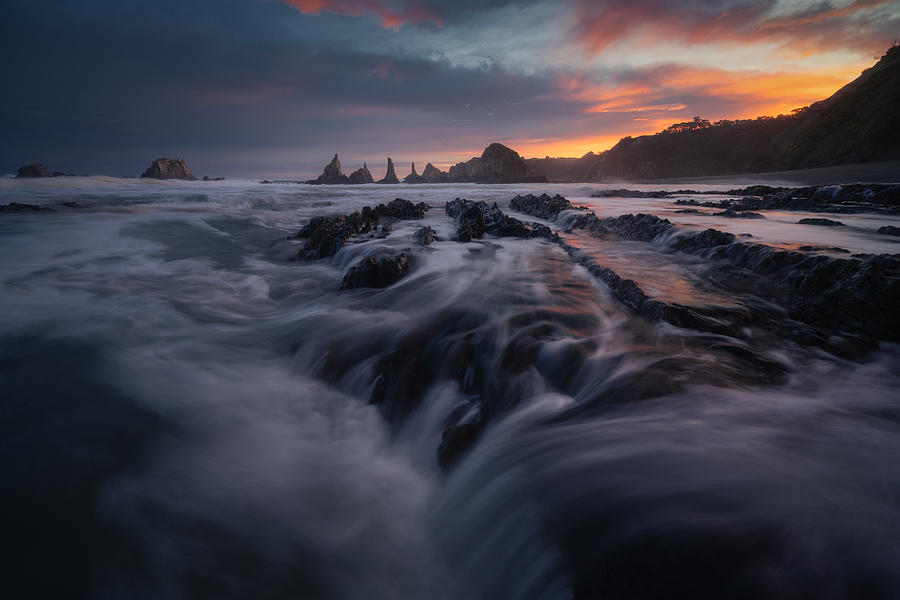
point(275, 87)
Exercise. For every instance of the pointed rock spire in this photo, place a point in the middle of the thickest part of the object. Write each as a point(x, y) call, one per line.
point(390, 176)
point(331, 174)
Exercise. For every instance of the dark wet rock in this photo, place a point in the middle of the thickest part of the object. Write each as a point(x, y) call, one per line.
point(821, 222)
point(208, 178)
point(322, 203)
point(390, 176)
point(625, 193)
point(265, 181)
point(331, 175)
point(432, 174)
point(18, 207)
point(708, 238)
point(413, 177)
point(689, 211)
point(425, 236)
point(456, 440)
point(733, 214)
point(376, 272)
point(640, 227)
point(474, 219)
point(889, 230)
point(824, 249)
point(326, 235)
point(497, 164)
point(361, 175)
point(168, 168)
point(543, 206)
point(32, 171)
point(62, 174)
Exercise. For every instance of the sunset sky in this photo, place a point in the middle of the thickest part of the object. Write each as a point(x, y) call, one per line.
point(275, 87)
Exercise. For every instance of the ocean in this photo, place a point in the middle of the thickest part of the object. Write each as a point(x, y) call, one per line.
point(187, 411)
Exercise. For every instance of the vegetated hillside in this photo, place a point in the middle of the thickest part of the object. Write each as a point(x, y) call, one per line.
point(859, 123)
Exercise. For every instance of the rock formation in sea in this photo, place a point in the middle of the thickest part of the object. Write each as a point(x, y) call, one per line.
point(168, 168)
point(376, 272)
point(432, 174)
point(361, 175)
point(497, 164)
point(390, 176)
point(413, 177)
point(33, 170)
point(331, 175)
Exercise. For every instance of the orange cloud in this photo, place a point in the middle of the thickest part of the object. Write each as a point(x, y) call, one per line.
point(821, 26)
point(391, 17)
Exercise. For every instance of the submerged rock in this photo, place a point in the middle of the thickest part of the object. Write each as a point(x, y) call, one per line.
point(18, 207)
point(733, 214)
point(822, 222)
point(543, 206)
point(361, 175)
point(889, 230)
point(474, 219)
point(376, 272)
point(168, 168)
point(390, 176)
point(32, 171)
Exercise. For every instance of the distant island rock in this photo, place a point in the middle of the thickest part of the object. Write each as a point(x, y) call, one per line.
point(33, 170)
point(390, 176)
point(361, 175)
point(168, 168)
point(413, 177)
point(497, 164)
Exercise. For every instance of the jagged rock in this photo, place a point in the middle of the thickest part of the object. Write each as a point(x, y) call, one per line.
point(376, 272)
point(413, 177)
point(33, 170)
point(425, 236)
point(624, 193)
point(543, 206)
point(709, 238)
point(474, 219)
point(326, 235)
point(822, 222)
point(497, 164)
point(640, 227)
point(390, 176)
point(386, 230)
point(689, 211)
point(17, 207)
point(168, 168)
point(889, 230)
point(432, 174)
point(361, 175)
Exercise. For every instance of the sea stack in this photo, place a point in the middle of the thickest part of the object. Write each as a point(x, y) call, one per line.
point(33, 170)
point(332, 174)
point(361, 175)
point(413, 177)
point(390, 176)
point(432, 174)
point(168, 168)
point(497, 164)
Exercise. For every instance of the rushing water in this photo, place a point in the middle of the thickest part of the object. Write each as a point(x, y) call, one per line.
point(185, 410)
